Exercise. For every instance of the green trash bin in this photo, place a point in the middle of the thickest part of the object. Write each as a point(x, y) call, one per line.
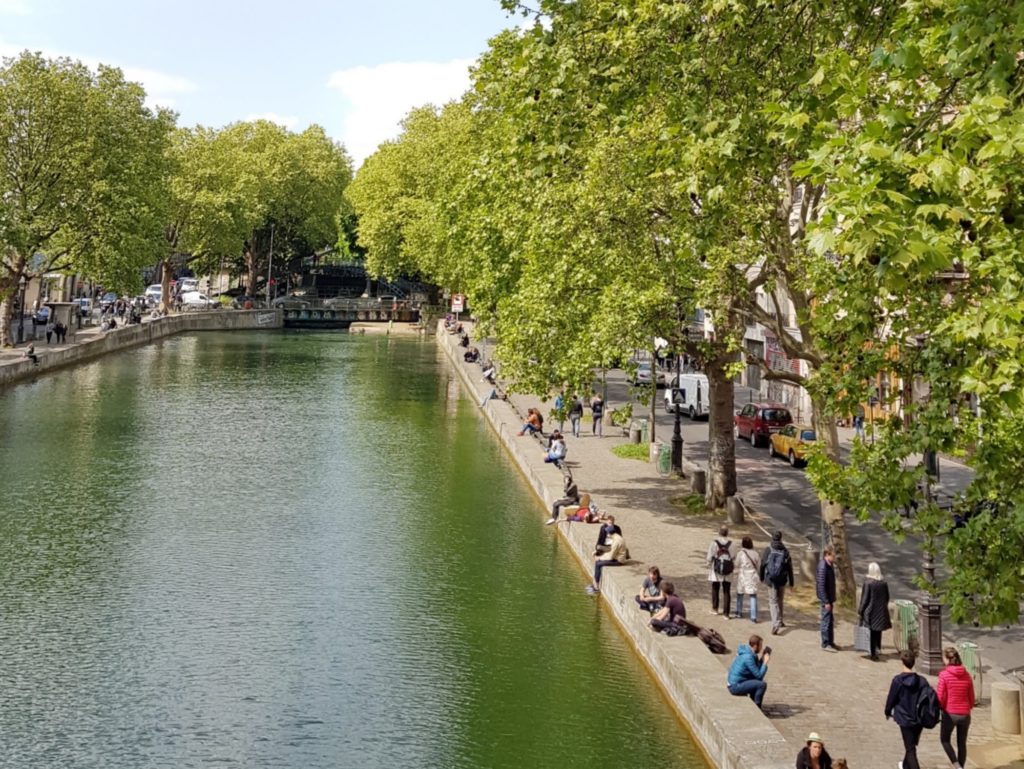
point(905, 628)
point(664, 458)
point(971, 658)
point(643, 430)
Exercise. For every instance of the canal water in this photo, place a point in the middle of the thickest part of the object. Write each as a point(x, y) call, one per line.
point(293, 550)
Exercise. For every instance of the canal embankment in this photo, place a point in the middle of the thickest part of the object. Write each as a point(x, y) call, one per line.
point(90, 342)
point(730, 730)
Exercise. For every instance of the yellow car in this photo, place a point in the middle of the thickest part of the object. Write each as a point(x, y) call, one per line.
point(791, 442)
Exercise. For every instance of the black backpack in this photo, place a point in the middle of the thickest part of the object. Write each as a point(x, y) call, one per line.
point(775, 567)
point(927, 707)
point(722, 562)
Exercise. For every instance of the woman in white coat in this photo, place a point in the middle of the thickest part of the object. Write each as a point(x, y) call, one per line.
point(748, 567)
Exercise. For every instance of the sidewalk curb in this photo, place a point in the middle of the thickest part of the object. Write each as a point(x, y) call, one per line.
point(730, 730)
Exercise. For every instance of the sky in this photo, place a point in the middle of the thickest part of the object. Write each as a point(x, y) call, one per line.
point(354, 67)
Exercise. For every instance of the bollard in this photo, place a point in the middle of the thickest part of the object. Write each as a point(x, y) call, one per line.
point(1005, 707)
point(634, 432)
point(664, 458)
point(971, 659)
point(643, 430)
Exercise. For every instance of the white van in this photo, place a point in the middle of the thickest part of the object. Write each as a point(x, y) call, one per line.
point(689, 395)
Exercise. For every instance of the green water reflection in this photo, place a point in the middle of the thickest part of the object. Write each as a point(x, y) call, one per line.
point(296, 550)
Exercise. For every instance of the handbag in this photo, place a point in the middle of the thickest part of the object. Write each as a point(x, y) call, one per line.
point(862, 638)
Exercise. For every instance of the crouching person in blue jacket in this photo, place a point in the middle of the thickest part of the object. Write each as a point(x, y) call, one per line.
point(747, 672)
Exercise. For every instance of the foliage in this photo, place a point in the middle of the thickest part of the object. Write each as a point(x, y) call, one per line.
point(639, 451)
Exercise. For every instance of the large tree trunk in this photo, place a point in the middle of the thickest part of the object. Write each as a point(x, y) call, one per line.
point(832, 513)
point(722, 445)
point(251, 263)
point(6, 307)
point(654, 395)
point(165, 285)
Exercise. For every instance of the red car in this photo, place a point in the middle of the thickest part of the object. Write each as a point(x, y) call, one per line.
point(757, 421)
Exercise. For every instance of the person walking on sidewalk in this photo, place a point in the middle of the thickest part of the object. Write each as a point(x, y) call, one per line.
point(956, 698)
point(597, 411)
point(558, 412)
point(826, 589)
point(776, 572)
point(572, 497)
point(49, 330)
point(901, 706)
point(576, 415)
point(747, 672)
point(874, 608)
point(748, 564)
point(720, 565)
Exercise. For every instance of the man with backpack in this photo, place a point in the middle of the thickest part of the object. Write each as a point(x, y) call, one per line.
point(913, 704)
point(776, 572)
point(720, 566)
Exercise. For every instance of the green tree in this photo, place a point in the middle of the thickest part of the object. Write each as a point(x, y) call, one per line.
point(81, 178)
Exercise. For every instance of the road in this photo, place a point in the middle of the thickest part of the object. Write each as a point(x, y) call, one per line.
point(774, 488)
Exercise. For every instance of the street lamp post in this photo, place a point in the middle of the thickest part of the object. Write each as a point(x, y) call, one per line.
point(21, 309)
point(931, 622)
point(677, 434)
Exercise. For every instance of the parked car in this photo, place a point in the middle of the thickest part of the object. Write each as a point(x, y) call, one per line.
point(689, 394)
point(791, 442)
point(186, 285)
point(642, 375)
point(153, 294)
point(107, 300)
point(757, 421)
point(84, 306)
point(239, 303)
point(41, 317)
point(196, 301)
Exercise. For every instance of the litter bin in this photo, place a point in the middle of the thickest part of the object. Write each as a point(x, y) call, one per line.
point(971, 658)
point(643, 430)
point(634, 432)
point(664, 458)
point(905, 629)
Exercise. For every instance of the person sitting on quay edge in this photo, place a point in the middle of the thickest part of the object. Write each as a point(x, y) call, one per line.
point(30, 353)
point(464, 340)
point(534, 423)
point(747, 672)
point(672, 615)
point(617, 555)
point(571, 497)
point(607, 530)
point(814, 755)
point(471, 356)
point(651, 596)
point(556, 452)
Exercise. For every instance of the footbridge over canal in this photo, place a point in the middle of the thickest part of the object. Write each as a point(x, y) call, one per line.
point(341, 312)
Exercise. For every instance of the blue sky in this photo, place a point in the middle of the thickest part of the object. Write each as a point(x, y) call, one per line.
point(353, 67)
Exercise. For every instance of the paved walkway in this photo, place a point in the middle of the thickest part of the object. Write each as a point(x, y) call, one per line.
point(839, 695)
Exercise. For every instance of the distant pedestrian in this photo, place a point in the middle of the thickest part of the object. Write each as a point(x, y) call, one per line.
point(597, 411)
point(901, 706)
point(720, 565)
point(814, 755)
point(873, 611)
point(617, 555)
point(956, 698)
point(559, 410)
point(747, 672)
point(825, 585)
point(575, 415)
point(572, 497)
point(49, 331)
point(62, 332)
point(858, 422)
point(748, 565)
point(776, 572)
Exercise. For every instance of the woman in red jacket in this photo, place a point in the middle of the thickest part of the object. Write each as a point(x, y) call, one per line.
point(956, 698)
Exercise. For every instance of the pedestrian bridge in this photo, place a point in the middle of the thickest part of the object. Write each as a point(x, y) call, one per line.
point(341, 312)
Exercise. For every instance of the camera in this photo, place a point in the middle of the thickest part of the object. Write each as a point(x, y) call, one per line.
point(767, 650)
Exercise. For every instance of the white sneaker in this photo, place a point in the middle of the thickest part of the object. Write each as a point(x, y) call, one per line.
point(550, 521)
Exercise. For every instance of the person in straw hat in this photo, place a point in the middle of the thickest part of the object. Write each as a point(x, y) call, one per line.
point(813, 755)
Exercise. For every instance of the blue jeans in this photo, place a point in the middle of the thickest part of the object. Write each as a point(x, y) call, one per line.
point(827, 626)
point(575, 422)
point(739, 607)
point(599, 565)
point(752, 687)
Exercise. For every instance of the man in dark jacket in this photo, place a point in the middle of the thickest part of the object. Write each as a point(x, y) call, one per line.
point(572, 497)
point(901, 705)
point(776, 570)
point(826, 589)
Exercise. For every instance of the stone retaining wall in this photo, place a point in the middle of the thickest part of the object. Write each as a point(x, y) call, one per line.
point(729, 729)
point(129, 336)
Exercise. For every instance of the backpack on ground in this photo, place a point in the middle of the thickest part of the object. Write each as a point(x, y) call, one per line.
point(928, 713)
point(775, 567)
point(713, 640)
point(722, 561)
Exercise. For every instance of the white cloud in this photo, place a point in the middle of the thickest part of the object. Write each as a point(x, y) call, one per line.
point(288, 121)
point(379, 97)
point(162, 88)
point(14, 7)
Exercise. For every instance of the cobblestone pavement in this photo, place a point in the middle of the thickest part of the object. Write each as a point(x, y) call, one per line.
point(839, 695)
